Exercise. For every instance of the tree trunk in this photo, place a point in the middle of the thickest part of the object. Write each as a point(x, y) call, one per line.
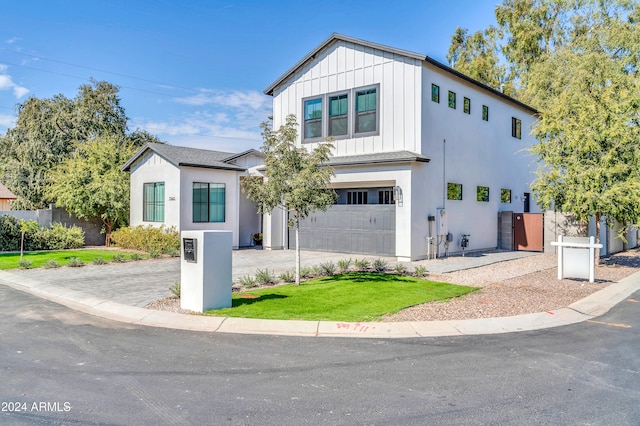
point(297, 219)
point(108, 226)
point(21, 245)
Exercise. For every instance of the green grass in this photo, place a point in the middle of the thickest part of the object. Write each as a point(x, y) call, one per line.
point(39, 258)
point(348, 297)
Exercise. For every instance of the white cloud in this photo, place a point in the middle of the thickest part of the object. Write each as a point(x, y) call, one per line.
point(7, 121)
point(6, 83)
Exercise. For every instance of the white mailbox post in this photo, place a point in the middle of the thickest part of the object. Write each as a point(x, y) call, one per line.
point(205, 270)
point(576, 257)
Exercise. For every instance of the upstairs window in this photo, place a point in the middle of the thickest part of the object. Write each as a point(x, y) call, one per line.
point(467, 106)
point(482, 193)
point(313, 118)
point(516, 128)
point(452, 100)
point(454, 191)
point(485, 113)
point(366, 120)
point(339, 115)
point(435, 93)
point(153, 202)
point(505, 195)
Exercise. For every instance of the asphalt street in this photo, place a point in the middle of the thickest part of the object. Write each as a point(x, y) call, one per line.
point(59, 366)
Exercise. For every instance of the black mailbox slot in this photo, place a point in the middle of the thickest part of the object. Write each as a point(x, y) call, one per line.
point(190, 246)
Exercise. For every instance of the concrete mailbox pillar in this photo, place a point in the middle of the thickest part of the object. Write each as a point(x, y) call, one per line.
point(205, 270)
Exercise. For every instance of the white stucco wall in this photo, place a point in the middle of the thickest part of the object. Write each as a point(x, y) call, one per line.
point(189, 175)
point(150, 168)
point(345, 66)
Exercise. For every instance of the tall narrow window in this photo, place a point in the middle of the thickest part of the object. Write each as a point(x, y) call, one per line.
point(208, 202)
point(357, 197)
point(435, 93)
point(516, 128)
point(385, 197)
point(366, 111)
point(313, 118)
point(339, 115)
point(153, 202)
point(467, 106)
point(452, 100)
point(485, 113)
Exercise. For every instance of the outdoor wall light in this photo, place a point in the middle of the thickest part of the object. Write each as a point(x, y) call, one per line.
point(397, 195)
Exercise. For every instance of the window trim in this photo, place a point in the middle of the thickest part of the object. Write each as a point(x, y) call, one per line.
point(478, 189)
point(322, 114)
point(466, 105)
point(451, 100)
point(449, 189)
point(502, 195)
point(154, 204)
point(328, 124)
point(355, 133)
point(208, 203)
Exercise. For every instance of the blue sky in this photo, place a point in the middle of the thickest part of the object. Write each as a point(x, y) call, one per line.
point(192, 72)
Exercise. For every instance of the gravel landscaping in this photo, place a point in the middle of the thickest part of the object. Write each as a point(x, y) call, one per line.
point(508, 288)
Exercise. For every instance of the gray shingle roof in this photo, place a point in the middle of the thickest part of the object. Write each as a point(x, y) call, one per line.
point(183, 156)
point(378, 158)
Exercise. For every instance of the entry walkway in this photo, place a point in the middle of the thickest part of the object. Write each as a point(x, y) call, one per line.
point(119, 292)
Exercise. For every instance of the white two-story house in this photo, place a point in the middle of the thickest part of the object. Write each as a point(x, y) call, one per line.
point(422, 153)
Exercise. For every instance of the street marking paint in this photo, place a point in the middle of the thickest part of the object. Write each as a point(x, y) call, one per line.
point(610, 324)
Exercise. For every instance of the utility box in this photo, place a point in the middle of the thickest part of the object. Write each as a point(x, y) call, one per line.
point(442, 222)
point(205, 270)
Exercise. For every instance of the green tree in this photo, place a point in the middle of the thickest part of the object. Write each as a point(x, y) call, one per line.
point(295, 179)
point(589, 127)
point(90, 184)
point(48, 131)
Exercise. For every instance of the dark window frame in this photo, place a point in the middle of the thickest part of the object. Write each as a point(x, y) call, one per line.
point(454, 191)
point(466, 105)
point(435, 93)
point(153, 210)
point(451, 100)
point(516, 128)
point(505, 195)
point(197, 206)
point(485, 113)
point(482, 195)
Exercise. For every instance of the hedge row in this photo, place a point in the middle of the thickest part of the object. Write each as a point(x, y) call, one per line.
point(150, 239)
point(57, 237)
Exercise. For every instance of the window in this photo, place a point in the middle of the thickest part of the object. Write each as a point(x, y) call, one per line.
point(366, 120)
point(516, 128)
point(505, 195)
point(153, 202)
point(357, 197)
point(452, 100)
point(482, 193)
point(339, 115)
point(208, 202)
point(485, 113)
point(386, 197)
point(454, 191)
point(467, 106)
point(435, 93)
point(312, 118)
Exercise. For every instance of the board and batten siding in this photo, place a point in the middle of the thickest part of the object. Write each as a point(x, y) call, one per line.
point(343, 66)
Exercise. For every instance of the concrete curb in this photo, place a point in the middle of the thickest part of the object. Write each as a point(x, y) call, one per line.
point(591, 306)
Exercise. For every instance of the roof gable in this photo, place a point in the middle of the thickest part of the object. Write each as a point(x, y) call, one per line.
point(5, 194)
point(182, 156)
point(335, 37)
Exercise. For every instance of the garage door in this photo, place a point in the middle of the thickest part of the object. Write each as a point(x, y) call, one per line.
point(364, 229)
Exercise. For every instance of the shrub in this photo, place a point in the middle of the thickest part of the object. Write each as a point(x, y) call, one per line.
point(75, 262)
point(175, 289)
point(306, 272)
point(420, 271)
point(51, 264)
point(135, 256)
point(58, 237)
point(361, 265)
point(379, 265)
point(99, 261)
point(247, 281)
point(265, 277)
point(154, 253)
point(119, 258)
point(344, 265)
point(400, 268)
point(25, 264)
point(327, 268)
point(288, 277)
point(161, 240)
point(9, 233)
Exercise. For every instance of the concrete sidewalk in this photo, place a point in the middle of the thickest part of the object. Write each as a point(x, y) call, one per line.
point(119, 292)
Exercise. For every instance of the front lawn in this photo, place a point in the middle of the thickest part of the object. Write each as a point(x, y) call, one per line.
point(357, 296)
point(39, 258)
